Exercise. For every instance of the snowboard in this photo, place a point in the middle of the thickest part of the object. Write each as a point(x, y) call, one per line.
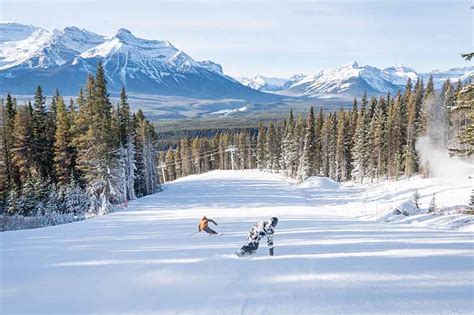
point(240, 254)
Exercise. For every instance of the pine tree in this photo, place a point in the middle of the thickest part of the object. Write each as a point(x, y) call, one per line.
point(290, 147)
point(307, 165)
point(9, 113)
point(432, 208)
point(62, 145)
point(170, 165)
point(126, 137)
point(395, 136)
point(40, 144)
point(271, 149)
point(98, 157)
point(261, 150)
point(410, 152)
point(177, 162)
point(139, 161)
point(326, 146)
point(318, 140)
point(462, 114)
point(378, 139)
point(343, 144)
point(196, 151)
point(416, 198)
point(22, 148)
point(242, 144)
point(360, 151)
point(4, 177)
point(149, 157)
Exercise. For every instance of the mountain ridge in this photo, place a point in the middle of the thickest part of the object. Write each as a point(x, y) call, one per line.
point(63, 58)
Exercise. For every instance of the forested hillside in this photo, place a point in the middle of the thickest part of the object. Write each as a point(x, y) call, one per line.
point(78, 156)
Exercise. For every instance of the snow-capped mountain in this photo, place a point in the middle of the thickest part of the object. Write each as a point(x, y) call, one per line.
point(346, 79)
point(454, 74)
point(351, 80)
point(63, 58)
point(269, 84)
point(15, 32)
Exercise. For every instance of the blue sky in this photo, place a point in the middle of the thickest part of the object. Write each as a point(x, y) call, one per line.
point(276, 38)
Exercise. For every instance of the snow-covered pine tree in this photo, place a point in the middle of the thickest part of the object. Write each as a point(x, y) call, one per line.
point(343, 144)
point(271, 149)
point(98, 159)
point(326, 146)
point(261, 150)
point(126, 134)
point(149, 158)
point(462, 114)
point(196, 152)
point(307, 164)
point(416, 198)
point(360, 149)
point(139, 162)
point(318, 142)
point(409, 151)
point(432, 208)
point(379, 135)
point(332, 147)
point(290, 148)
point(170, 165)
point(395, 137)
point(299, 134)
point(471, 199)
point(4, 184)
point(242, 140)
point(223, 145)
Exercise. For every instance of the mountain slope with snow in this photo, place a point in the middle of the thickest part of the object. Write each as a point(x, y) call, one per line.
point(63, 58)
point(147, 258)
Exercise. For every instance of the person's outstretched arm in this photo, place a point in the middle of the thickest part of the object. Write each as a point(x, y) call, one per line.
point(210, 220)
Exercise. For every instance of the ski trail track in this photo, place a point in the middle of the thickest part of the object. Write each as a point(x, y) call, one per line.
point(142, 260)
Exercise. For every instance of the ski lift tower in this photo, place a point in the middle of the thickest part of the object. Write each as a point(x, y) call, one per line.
point(162, 166)
point(232, 150)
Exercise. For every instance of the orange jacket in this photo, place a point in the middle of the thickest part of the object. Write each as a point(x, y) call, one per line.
point(204, 223)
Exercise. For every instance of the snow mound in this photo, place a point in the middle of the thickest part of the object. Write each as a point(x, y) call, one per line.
point(320, 183)
point(405, 208)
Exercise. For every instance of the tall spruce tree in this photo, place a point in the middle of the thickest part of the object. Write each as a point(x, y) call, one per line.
point(261, 150)
point(62, 145)
point(307, 165)
point(40, 142)
point(22, 149)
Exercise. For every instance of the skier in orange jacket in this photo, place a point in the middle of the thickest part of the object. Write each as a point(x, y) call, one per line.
point(204, 225)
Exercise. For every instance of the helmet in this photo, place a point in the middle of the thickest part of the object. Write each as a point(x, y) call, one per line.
point(274, 221)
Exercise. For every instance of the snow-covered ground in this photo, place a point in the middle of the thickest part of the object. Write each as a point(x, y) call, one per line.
point(144, 260)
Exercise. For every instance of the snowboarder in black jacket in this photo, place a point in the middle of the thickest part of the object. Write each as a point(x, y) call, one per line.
point(256, 233)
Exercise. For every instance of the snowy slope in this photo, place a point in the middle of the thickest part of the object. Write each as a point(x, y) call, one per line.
point(63, 58)
point(143, 259)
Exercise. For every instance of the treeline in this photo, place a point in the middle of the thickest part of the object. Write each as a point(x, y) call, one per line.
point(226, 150)
point(80, 157)
point(379, 138)
point(376, 139)
point(171, 138)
